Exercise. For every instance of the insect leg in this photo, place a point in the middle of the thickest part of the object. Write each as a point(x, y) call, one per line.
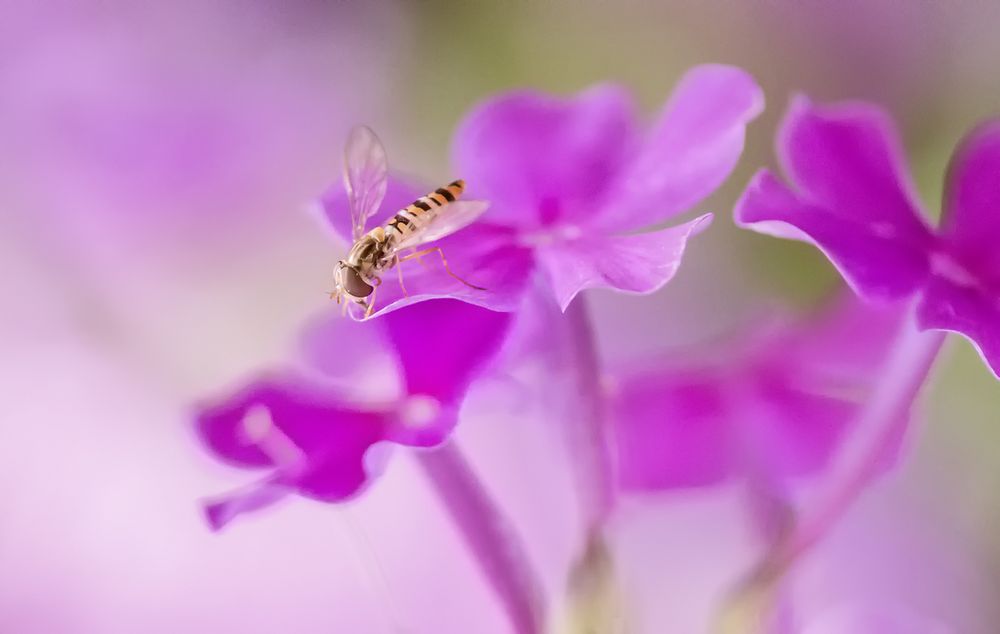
point(444, 262)
point(399, 273)
point(420, 258)
point(371, 303)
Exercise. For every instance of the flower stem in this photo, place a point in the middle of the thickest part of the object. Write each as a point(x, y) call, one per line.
point(876, 430)
point(589, 440)
point(488, 534)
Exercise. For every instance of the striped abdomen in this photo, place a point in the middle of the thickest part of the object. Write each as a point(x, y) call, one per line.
point(422, 211)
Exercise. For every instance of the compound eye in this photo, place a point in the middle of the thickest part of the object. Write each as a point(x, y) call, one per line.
point(353, 284)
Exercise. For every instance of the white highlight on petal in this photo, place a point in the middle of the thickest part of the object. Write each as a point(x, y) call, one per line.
point(945, 267)
point(883, 230)
point(419, 410)
point(550, 235)
point(259, 430)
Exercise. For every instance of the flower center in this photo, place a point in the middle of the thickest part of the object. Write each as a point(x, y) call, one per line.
point(550, 235)
point(419, 410)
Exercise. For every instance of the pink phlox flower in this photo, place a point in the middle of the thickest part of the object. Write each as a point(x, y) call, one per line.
point(570, 180)
point(774, 401)
point(310, 429)
point(852, 196)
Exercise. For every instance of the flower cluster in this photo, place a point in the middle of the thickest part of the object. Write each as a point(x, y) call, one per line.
point(574, 187)
point(569, 180)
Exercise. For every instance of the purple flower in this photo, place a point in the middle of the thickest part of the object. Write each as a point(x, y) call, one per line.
point(773, 403)
point(854, 199)
point(568, 179)
point(310, 429)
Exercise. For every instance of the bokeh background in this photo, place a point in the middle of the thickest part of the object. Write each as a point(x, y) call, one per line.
point(156, 165)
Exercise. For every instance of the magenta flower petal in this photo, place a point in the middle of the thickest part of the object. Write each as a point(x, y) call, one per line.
point(483, 255)
point(848, 159)
point(855, 200)
point(683, 428)
point(963, 295)
point(310, 430)
point(971, 220)
point(969, 311)
point(671, 432)
point(541, 159)
point(796, 431)
point(221, 510)
point(637, 263)
point(313, 424)
point(869, 255)
point(313, 442)
point(691, 149)
point(423, 358)
point(443, 345)
point(844, 344)
point(775, 406)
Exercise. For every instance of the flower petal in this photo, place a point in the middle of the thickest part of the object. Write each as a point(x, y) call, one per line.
point(223, 509)
point(794, 432)
point(483, 255)
point(443, 345)
point(769, 408)
point(971, 219)
point(350, 358)
point(691, 150)
point(312, 440)
point(682, 428)
point(874, 261)
point(811, 382)
point(967, 310)
point(539, 159)
point(849, 159)
point(856, 202)
point(843, 346)
point(639, 263)
point(671, 431)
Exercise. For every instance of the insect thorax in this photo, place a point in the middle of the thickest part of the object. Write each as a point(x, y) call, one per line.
point(367, 251)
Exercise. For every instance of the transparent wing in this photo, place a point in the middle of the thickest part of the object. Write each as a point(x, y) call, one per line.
point(365, 172)
point(450, 219)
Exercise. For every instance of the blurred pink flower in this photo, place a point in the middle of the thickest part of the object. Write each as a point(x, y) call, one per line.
point(874, 619)
point(568, 179)
point(312, 428)
point(772, 403)
point(856, 202)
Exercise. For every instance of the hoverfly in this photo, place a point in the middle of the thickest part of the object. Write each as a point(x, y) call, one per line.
point(431, 217)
